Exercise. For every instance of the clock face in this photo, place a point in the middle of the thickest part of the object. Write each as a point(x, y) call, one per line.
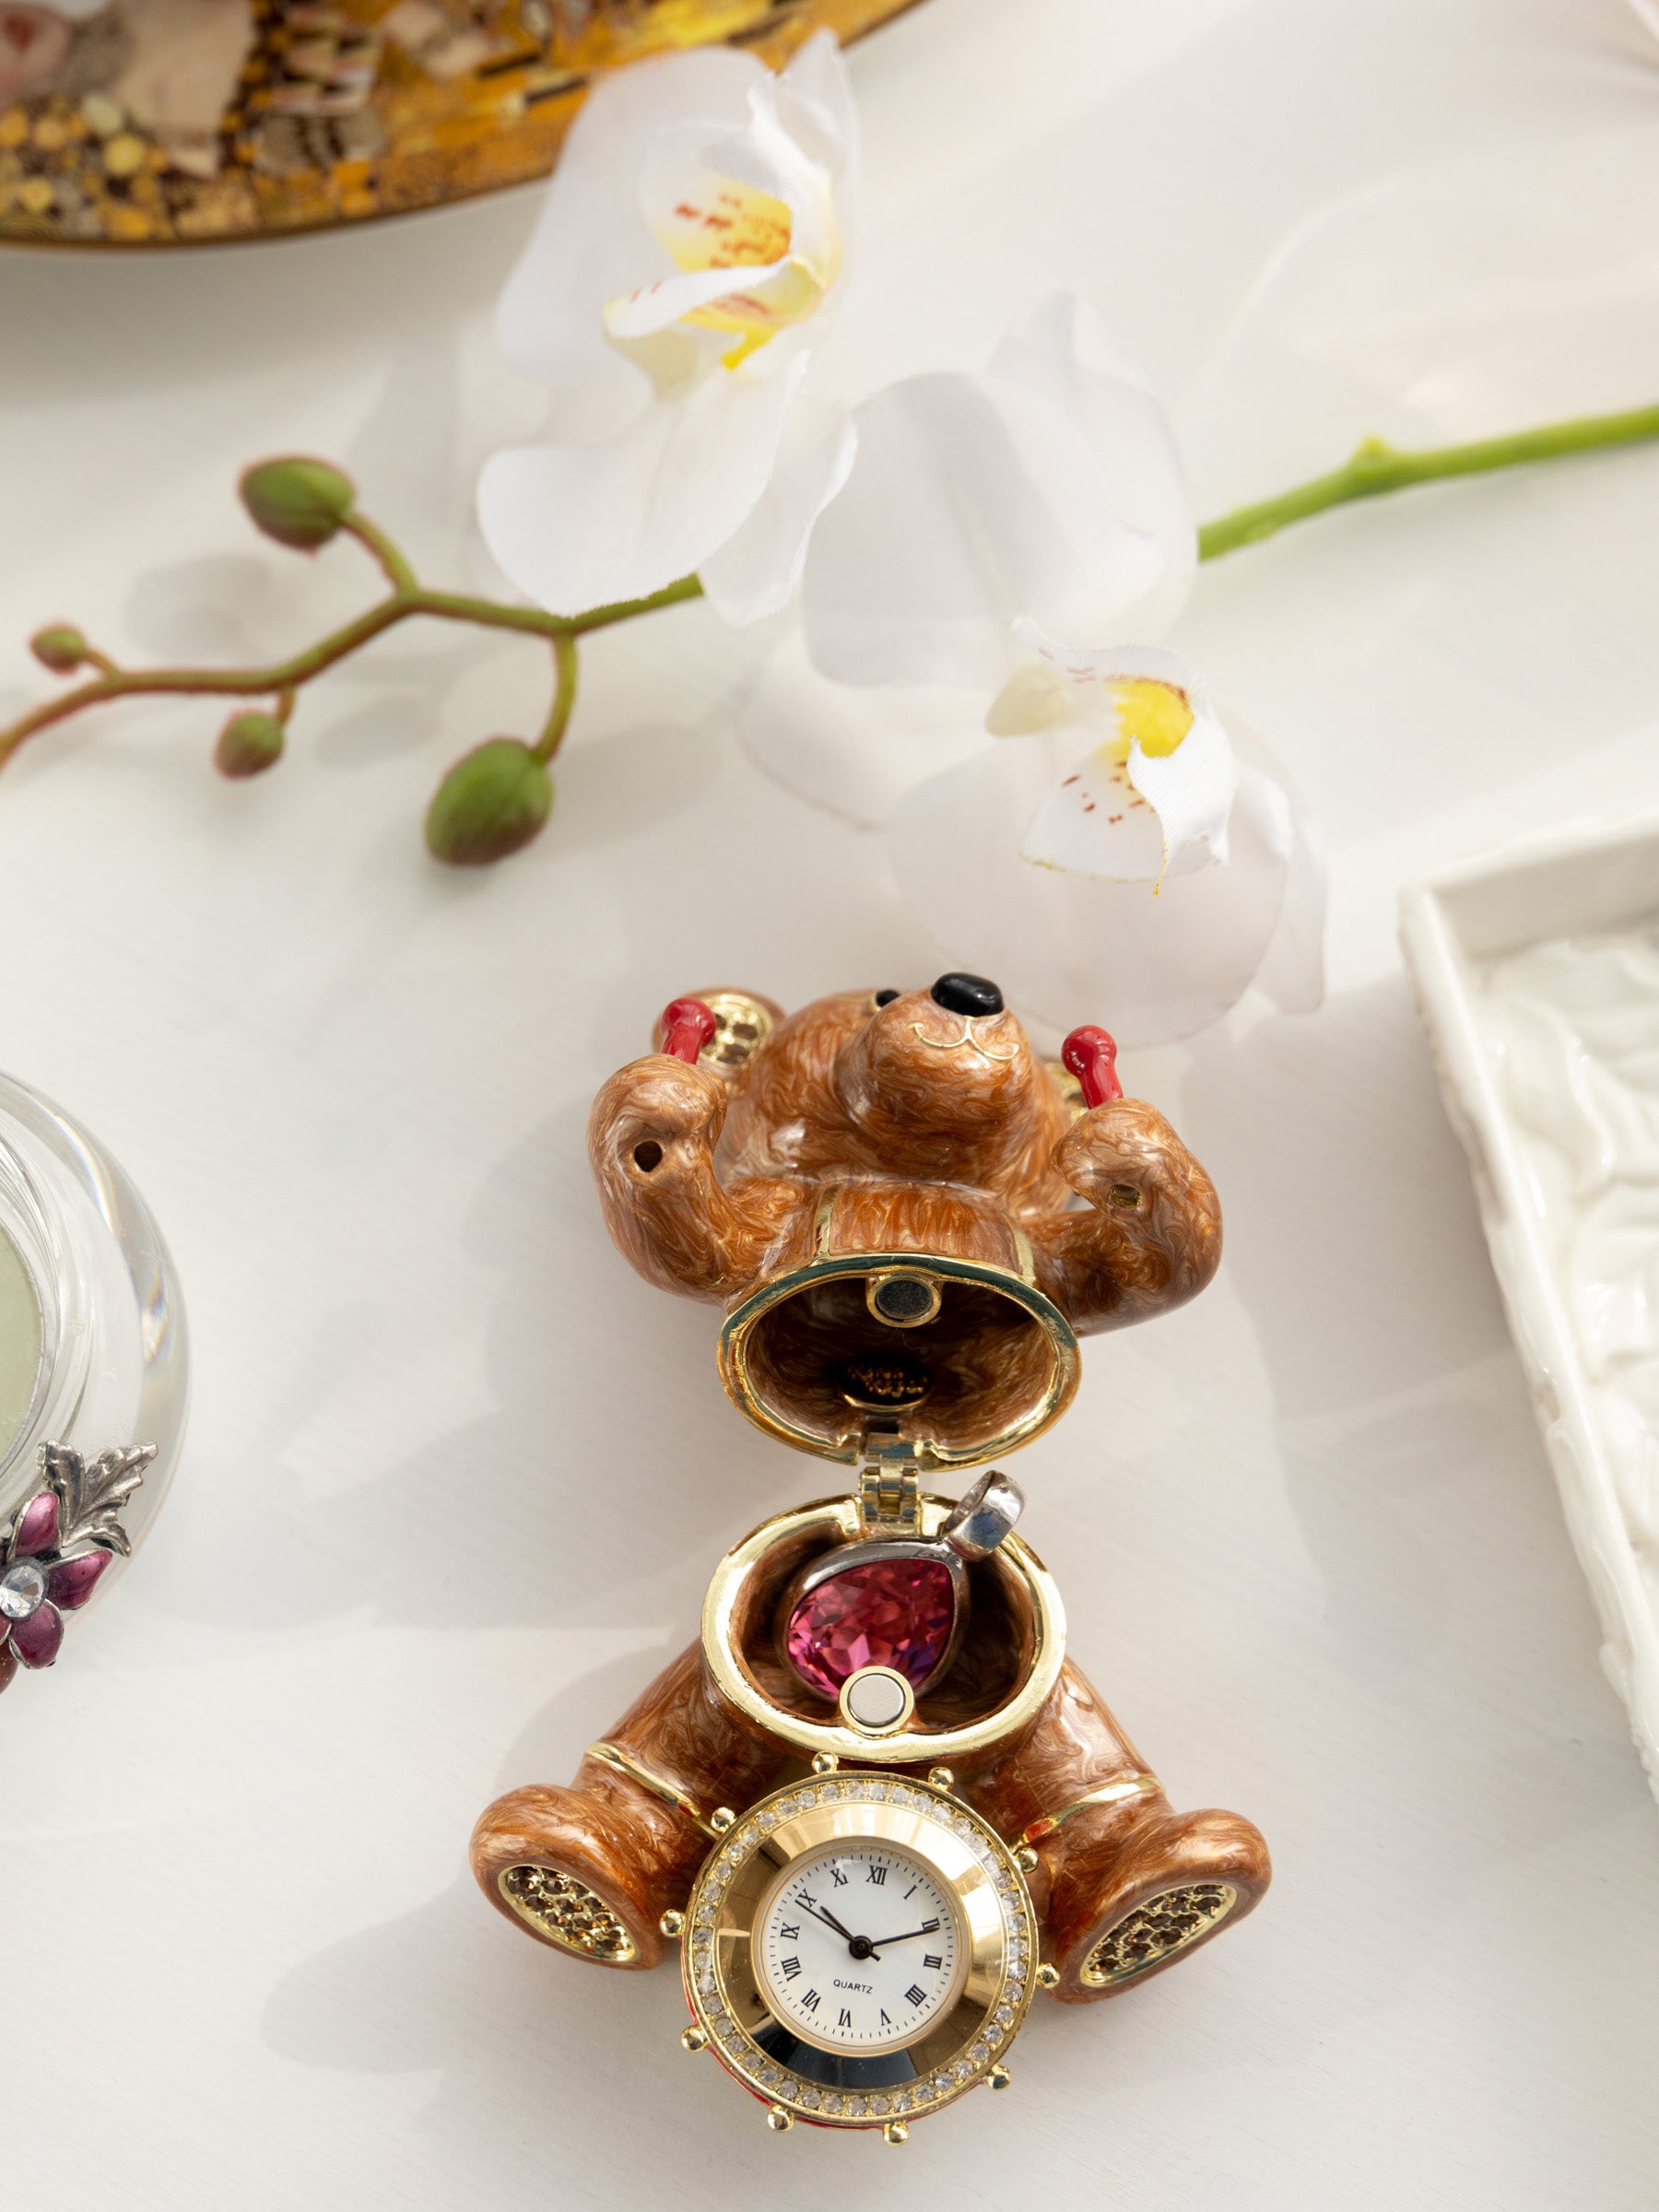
point(858, 1946)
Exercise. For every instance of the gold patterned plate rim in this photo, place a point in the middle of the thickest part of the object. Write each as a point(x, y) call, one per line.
point(305, 115)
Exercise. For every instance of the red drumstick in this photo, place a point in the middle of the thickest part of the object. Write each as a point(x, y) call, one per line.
point(1090, 1054)
point(688, 1026)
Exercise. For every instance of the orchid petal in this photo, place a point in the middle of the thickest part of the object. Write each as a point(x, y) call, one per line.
point(72, 1582)
point(37, 1526)
point(849, 750)
point(593, 242)
point(39, 1636)
point(766, 160)
point(971, 502)
point(1048, 489)
point(1158, 749)
point(814, 105)
point(1292, 970)
point(759, 567)
point(579, 526)
point(1063, 352)
point(1152, 969)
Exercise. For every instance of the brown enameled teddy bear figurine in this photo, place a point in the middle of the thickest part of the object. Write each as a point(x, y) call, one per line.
point(909, 1217)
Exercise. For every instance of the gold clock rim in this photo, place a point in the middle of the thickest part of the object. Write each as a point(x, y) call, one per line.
point(733, 1906)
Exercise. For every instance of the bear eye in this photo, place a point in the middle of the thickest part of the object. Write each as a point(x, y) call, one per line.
point(883, 998)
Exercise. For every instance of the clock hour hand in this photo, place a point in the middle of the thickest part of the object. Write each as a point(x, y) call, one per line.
point(829, 1920)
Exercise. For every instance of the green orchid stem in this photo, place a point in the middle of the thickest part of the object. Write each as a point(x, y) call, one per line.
point(1376, 468)
point(408, 598)
point(564, 699)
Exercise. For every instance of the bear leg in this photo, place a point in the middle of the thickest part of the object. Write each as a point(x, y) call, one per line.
point(591, 1869)
point(1126, 1885)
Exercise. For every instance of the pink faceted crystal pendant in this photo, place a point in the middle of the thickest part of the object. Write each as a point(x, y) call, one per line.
point(895, 1612)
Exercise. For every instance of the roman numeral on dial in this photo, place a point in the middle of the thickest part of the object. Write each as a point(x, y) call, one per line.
point(876, 1874)
point(914, 1996)
point(932, 1958)
point(809, 2002)
point(791, 1967)
point(846, 2019)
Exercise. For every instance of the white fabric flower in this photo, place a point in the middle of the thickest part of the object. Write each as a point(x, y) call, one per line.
point(1100, 869)
point(1095, 837)
point(1048, 489)
point(690, 254)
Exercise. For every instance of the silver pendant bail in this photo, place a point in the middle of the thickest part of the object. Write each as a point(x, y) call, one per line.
point(984, 1516)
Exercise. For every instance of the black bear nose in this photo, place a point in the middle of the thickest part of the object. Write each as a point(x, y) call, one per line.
point(967, 994)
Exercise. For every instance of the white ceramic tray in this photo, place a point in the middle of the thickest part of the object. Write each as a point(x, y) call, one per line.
point(1536, 972)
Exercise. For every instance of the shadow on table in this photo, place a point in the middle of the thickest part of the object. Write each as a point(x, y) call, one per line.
point(505, 1520)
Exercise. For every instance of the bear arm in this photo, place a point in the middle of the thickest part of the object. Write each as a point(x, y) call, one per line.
point(1152, 1237)
point(651, 1144)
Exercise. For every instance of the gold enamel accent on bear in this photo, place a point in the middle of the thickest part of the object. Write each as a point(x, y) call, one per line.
point(610, 1756)
point(1108, 1793)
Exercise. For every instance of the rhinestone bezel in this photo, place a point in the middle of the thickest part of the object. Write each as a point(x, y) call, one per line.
point(983, 2042)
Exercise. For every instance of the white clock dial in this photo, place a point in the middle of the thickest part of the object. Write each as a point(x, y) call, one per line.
point(858, 1946)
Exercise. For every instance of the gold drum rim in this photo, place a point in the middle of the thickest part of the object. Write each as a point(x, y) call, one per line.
point(1063, 1377)
point(839, 1518)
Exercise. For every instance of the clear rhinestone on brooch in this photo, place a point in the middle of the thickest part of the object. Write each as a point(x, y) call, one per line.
point(21, 1589)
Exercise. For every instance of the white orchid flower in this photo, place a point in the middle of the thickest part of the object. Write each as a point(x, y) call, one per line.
point(1046, 493)
point(1149, 774)
point(1115, 847)
point(1048, 489)
point(1098, 837)
point(690, 255)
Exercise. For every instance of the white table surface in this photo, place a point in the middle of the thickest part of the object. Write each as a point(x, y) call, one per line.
point(456, 1477)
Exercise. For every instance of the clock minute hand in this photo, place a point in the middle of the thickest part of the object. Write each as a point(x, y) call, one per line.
point(879, 1943)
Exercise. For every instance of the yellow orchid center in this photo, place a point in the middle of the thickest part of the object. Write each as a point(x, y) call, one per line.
point(722, 224)
point(1150, 713)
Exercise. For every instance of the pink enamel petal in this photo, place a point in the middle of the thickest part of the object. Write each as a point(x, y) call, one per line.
point(36, 1638)
point(38, 1527)
point(72, 1582)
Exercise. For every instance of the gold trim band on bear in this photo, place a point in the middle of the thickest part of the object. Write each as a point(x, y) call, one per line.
point(619, 1762)
point(1108, 1793)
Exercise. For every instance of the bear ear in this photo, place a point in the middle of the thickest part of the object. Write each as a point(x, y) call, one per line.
point(743, 1021)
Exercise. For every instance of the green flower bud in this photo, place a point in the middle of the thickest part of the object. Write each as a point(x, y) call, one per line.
point(493, 800)
point(248, 744)
point(59, 647)
point(300, 503)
